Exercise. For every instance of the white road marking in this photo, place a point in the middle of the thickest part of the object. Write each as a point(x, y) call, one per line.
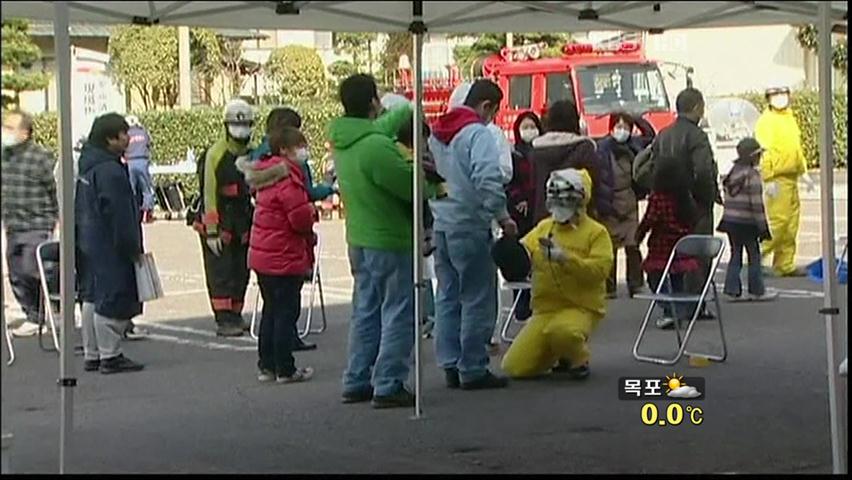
point(197, 343)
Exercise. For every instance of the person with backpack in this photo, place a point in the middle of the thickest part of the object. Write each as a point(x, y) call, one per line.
point(620, 148)
point(745, 222)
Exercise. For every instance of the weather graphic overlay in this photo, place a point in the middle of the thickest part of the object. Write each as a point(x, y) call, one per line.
point(672, 389)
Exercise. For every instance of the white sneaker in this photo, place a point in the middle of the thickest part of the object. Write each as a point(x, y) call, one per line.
point(136, 333)
point(265, 376)
point(27, 329)
point(843, 367)
point(665, 323)
point(767, 296)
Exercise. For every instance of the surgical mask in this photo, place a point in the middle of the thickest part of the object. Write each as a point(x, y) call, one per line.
point(780, 102)
point(302, 155)
point(621, 135)
point(10, 141)
point(240, 132)
point(529, 134)
point(562, 213)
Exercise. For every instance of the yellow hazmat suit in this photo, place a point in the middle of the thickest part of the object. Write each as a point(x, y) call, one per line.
point(568, 297)
point(783, 163)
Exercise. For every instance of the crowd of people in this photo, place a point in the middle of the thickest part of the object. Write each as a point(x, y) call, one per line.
point(553, 209)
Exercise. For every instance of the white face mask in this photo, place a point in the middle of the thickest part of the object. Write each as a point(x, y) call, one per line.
point(562, 214)
point(239, 132)
point(302, 155)
point(780, 102)
point(529, 134)
point(10, 141)
point(621, 135)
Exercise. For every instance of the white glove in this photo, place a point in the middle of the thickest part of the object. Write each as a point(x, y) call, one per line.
point(810, 184)
point(771, 189)
point(557, 254)
point(215, 245)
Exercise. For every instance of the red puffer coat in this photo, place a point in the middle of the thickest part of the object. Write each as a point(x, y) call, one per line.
point(282, 236)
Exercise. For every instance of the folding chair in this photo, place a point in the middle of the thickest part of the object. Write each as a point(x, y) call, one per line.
point(11, 347)
point(510, 312)
point(48, 252)
point(703, 247)
point(316, 285)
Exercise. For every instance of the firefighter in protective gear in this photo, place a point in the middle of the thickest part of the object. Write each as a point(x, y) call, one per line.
point(571, 257)
point(782, 165)
point(224, 219)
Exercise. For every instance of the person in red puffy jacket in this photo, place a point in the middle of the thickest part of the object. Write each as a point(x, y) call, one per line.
point(280, 250)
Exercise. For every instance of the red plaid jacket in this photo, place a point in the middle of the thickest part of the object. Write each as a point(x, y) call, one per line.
point(661, 220)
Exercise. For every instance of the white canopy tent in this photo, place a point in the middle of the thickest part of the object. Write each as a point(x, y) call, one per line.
point(419, 17)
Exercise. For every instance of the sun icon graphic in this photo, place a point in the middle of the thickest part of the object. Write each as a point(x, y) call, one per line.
point(674, 382)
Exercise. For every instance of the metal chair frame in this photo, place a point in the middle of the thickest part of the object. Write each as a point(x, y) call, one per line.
point(510, 312)
point(47, 298)
point(704, 246)
point(316, 286)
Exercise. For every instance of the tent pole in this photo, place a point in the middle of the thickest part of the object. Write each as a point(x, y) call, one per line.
point(834, 327)
point(417, 30)
point(67, 382)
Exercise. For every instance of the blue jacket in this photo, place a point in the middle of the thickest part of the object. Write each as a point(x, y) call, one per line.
point(470, 164)
point(316, 192)
point(109, 233)
point(139, 147)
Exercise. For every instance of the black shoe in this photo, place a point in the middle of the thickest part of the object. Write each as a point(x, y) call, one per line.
point(486, 382)
point(452, 377)
point(577, 373)
point(401, 399)
point(91, 365)
point(358, 396)
point(304, 346)
point(229, 330)
point(119, 364)
point(706, 315)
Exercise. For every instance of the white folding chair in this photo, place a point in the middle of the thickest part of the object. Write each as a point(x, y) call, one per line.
point(48, 252)
point(316, 286)
point(510, 312)
point(9, 344)
point(702, 247)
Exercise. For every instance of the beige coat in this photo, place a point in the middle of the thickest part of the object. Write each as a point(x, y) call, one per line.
point(622, 226)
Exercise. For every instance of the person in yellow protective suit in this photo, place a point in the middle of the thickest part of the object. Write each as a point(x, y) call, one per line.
point(571, 258)
point(782, 165)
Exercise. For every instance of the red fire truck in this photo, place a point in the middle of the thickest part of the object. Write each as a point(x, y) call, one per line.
point(598, 79)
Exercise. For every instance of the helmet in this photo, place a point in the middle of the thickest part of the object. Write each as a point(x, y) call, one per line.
point(776, 89)
point(132, 120)
point(566, 186)
point(566, 194)
point(238, 111)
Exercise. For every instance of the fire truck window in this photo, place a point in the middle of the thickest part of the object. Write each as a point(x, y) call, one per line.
point(637, 88)
point(520, 92)
point(559, 87)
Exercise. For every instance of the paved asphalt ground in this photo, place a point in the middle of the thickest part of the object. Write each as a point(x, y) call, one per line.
point(198, 408)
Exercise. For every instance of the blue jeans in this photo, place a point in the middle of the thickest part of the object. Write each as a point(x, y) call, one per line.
point(684, 310)
point(733, 285)
point(140, 181)
point(381, 332)
point(466, 305)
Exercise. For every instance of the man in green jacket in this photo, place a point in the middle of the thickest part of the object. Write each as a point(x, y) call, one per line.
point(376, 186)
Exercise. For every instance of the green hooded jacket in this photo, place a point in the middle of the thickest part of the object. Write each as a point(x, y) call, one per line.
point(376, 181)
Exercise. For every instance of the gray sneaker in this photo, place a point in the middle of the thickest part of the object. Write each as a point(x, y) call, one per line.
point(300, 375)
point(767, 296)
point(665, 323)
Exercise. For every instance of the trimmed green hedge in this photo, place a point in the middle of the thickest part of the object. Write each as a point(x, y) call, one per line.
point(806, 107)
point(174, 131)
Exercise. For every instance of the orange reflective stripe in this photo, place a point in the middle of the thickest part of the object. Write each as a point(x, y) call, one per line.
point(211, 218)
point(222, 304)
point(230, 190)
